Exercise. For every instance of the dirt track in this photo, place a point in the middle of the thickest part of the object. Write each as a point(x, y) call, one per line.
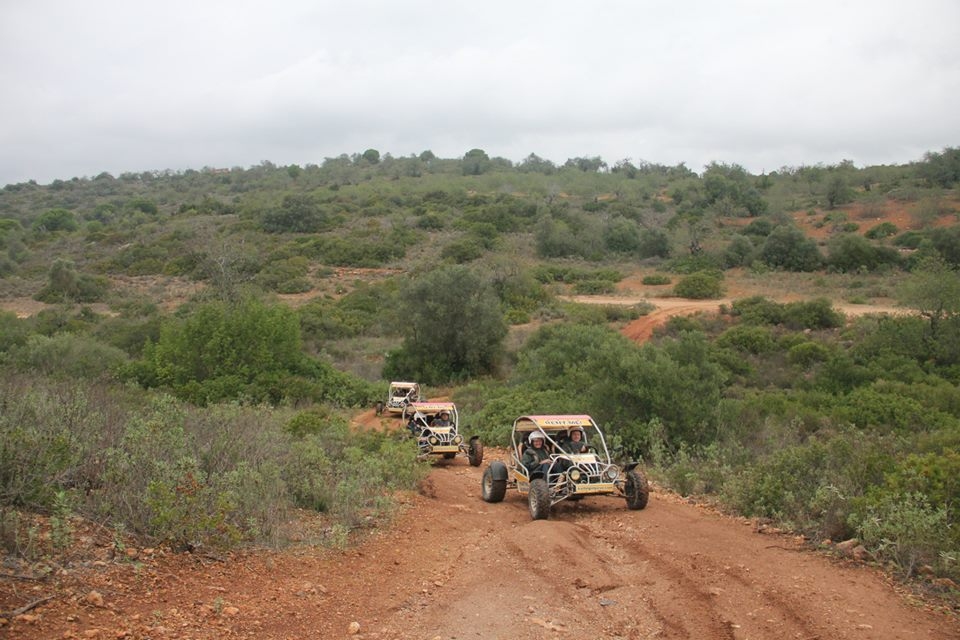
point(453, 566)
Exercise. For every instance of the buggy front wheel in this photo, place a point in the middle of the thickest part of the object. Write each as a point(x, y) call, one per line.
point(539, 499)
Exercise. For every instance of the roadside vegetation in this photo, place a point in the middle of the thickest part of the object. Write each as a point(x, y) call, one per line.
point(208, 418)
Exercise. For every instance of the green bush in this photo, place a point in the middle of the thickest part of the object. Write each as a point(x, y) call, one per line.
point(882, 230)
point(758, 310)
point(286, 276)
point(593, 287)
point(462, 250)
point(749, 339)
point(656, 279)
point(56, 220)
point(66, 284)
point(908, 531)
point(13, 331)
point(68, 355)
point(850, 253)
point(806, 354)
point(812, 314)
point(249, 352)
point(699, 286)
point(811, 487)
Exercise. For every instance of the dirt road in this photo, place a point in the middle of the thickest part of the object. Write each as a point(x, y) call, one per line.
point(453, 566)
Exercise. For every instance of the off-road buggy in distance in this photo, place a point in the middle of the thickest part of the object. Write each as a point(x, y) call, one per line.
point(568, 476)
point(437, 435)
point(401, 394)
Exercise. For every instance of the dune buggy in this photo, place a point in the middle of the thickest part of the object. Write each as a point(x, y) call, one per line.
point(566, 472)
point(400, 395)
point(436, 428)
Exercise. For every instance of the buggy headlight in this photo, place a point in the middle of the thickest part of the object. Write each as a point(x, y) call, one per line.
point(433, 440)
point(612, 473)
point(575, 474)
point(457, 439)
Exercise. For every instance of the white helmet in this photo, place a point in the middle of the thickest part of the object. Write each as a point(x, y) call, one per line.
point(535, 435)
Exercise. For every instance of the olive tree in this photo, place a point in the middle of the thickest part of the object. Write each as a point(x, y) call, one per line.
point(453, 328)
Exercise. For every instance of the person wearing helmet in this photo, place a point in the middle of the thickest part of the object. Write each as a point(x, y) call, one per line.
point(536, 457)
point(575, 442)
point(443, 420)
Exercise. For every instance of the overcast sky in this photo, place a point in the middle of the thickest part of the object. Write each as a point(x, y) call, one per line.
point(123, 85)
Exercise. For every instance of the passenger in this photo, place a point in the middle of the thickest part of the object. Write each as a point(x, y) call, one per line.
point(575, 442)
point(536, 457)
point(413, 427)
point(443, 420)
point(417, 423)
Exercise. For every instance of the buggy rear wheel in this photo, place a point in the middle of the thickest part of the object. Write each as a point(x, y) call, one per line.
point(637, 490)
point(539, 499)
point(492, 489)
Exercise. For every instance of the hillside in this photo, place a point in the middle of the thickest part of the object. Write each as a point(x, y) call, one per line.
point(190, 360)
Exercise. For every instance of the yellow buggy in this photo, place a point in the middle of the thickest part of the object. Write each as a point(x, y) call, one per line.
point(568, 469)
point(436, 428)
point(401, 394)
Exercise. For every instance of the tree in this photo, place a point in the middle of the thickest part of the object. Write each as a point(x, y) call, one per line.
point(56, 220)
point(739, 252)
point(788, 248)
point(933, 289)
point(654, 243)
point(475, 162)
point(297, 214)
point(621, 235)
point(850, 253)
point(700, 286)
point(535, 164)
point(65, 284)
point(453, 328)
point(593, 164)
point(941, 169)
point(838, 192)
point(947, 243)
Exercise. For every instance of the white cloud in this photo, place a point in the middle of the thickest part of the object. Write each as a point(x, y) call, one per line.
point(109, 85)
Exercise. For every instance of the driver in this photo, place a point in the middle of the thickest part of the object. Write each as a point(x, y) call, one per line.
point(575, 442)
point(443, 420)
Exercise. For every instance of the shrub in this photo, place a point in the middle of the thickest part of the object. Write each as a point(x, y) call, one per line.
point(655, 279)
point(593, 287)
point(789, 249)
point(462, 250)
point(749, 339)
point(907, 530)
point(808, 353)
point(852, 253)
point(812, 314)
point(65, 284)
point(758, 310)
point(882, 230)
point(297, 214)
point(68, 355)
point(700, 286)
point(56, 220)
